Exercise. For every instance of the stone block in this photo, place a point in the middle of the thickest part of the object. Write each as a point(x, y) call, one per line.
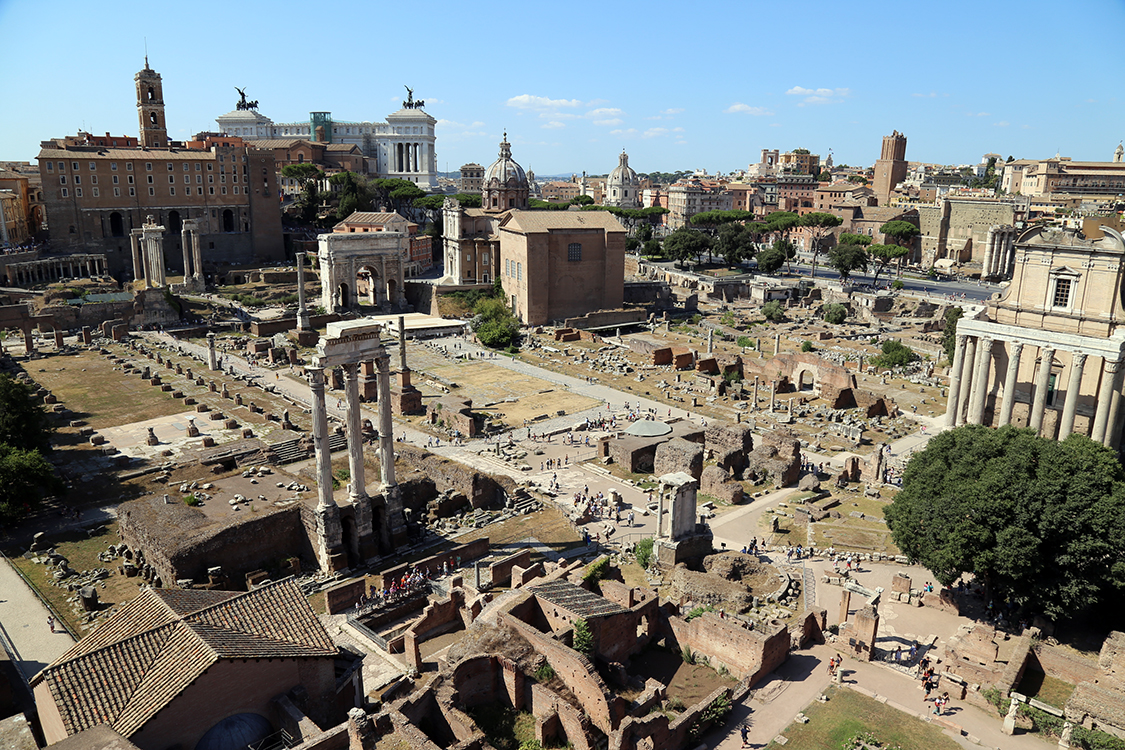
point(679, 455)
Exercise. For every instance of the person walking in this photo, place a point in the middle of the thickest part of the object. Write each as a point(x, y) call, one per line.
point(51, 624)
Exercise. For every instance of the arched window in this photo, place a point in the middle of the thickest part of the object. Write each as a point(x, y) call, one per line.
point(152, 118)
point(151, 94)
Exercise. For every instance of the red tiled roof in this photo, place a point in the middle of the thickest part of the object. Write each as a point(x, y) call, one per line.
point(158, 644)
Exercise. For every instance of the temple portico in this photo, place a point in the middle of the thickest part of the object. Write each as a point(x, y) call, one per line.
point(1003, 374)
point(379, 522)
point(999, 252)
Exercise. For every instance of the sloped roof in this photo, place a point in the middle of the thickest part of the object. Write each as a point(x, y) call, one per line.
point(380, 218)
point(545, 221)
point(576, 599)
point(158, 644)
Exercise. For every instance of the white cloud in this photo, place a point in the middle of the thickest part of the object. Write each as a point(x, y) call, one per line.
point(930, 95)
point(677, 130)
point(739, 107)
point(450, 124)
point(818, 96)
point(1002, 124)
point(555, 115)
point(604, 112)
point(553, 124)
point(612, 121)
point(655, 132)
point(528, 101)
point(672, 111)
point(978, 114)
point(626, 131)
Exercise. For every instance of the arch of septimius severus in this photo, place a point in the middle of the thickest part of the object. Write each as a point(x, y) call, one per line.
point(1046, 352)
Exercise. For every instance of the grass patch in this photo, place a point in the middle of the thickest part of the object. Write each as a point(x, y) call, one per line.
point(504, 727)
point(847, 713)
point(1050, 690)
point(81, 550)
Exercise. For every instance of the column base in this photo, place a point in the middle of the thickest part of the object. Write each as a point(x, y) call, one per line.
point(330, 539)
point(406, 401)
point(395, 521)
point(307, 337)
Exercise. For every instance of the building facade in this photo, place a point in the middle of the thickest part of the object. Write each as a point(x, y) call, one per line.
point(687, 198)
point(560, 264)
point(403, 147)
point(472, 178)
point(505, 183)
point(417, 255)
point(1047, 354)
point(95, 196)
point(1063, 176)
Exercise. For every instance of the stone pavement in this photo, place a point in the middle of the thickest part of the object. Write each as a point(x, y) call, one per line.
point(23, 625)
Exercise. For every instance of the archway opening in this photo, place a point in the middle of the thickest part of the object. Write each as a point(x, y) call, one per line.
point(806, 382)
point(367, 285)
point(116, 225)
point(343, 296)
point(228, 220)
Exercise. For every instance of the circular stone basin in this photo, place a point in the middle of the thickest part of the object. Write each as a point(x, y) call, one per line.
point(648, 428)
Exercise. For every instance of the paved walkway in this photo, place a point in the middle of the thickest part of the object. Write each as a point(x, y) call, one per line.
point(23, 625)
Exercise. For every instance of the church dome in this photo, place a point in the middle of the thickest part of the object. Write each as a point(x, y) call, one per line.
point(505, 169)
point(622, 187)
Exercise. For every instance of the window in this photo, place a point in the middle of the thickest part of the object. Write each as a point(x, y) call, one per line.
point(197, 166)
point(236, 189)
point(93, 166)
point(130, 179)
point(210, 178)
point(74, 166)
point(95, 190)
point(132, 192)
point(113, 167)
point(170, 166)
point(210, 167)
point(211, 190)
point(148, 166)
point(186, 166)
point(77, 179)
point(171, 179)
point(129, 166)
point(199, 191)
point(150, 179)
point(117, 192)
point(65, 193)
point(115, 179)
point(224, 191)
point(171, 191)
point(1051, 382)
point(574, 251)
point(93, 179)
point(62, 165)
point(1062, 292)
point(152, 191)
point(519, 271)
point(50, 166)
point(198, 179)
point(78, 192)
point(484, 257)
point(187, 179)
point(62, 179)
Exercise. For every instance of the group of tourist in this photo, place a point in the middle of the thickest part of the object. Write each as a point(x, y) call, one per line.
point(752, 548)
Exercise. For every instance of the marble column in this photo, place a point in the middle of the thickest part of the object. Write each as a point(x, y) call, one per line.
point(954, 400)
point(185, 241)
point(1105, 399)
point(212, 356)
point(989, 253)
point(1014, 352)
point(1042, 383)
point(303, 323)
point(386, 428)
point(135, 244)
point(197, 256)
point(320, 438)
point(1113, 427)
point(357, 486)
point(980, 381)
point(776, 344)
point(966, 379)
point(1073, 386)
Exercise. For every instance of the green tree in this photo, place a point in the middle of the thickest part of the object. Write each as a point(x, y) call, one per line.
point(847, 238)
point(23, 422)
point(894, 354)
point(302, 173)
point(494, 323)
point(824, 176)
point(643, 552)
point(718, 218)
point(772, 258)
point(846, 259)
point(354, 194)
point(1039, 521)
point(949, 332)
point(583, 638)
point(653, 249)
point(632, 244)
point(884, 255)
point(644, 232)
point(835, 313)
point(307, 177)
point(583, 200)
point(900, 232)
point(735, 243)
point(25, 477)
point(818, 223)
point(773, 311)
point(685, 244)
point(780, 223)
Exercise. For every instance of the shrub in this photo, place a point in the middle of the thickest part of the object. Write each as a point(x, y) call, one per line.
point(545, 673)
point(806, 346)
point(596, 571)
point(192, 500)
point(745, 342)
point(897, 284)
point(644, 552)
point(895, 354)
point(773, 310)
point(583, 639)
point(835, 313)
point(696, 613)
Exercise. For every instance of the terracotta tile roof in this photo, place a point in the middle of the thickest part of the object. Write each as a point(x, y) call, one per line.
point(372, 217)
point(545, 221)
point(158, 644)
point(576, 599)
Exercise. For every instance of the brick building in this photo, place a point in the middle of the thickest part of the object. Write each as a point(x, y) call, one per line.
point(472, 177)
point(95, 195)
point(891, 167)
point(181, 668)
point(560, 264)
point(418, 255)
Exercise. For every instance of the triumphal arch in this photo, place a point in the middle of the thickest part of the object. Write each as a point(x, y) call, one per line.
point(362, 269)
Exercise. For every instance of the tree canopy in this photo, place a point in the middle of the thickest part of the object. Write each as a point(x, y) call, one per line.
point(25, 475)
point(883, 255)
point(847, 258)
point(834, 313)
point(1038, 520)
point(735, 243)
point(949, 332)
point(773, 257)
point(901, 232)
point(494, 323)
point(714, 218)
point(773, 310)
point(894, 354)
point(685, 244)
point(847, 238)
point(818, 223)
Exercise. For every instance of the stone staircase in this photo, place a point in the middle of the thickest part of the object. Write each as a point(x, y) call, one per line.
point(289, 451)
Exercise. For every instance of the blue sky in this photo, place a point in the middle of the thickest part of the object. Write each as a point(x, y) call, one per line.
point(678, 85)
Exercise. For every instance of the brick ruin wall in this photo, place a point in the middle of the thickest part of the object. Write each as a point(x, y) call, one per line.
point(747, 654)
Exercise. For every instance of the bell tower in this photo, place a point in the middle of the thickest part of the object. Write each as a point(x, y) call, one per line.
point(150, 108)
